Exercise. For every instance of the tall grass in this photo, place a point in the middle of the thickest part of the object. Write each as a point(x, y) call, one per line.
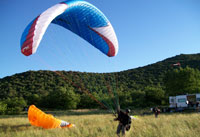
point(102, 125)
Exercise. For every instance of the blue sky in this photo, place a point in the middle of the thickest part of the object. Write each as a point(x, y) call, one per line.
point(148, 31)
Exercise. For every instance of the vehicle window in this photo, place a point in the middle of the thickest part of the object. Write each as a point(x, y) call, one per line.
point(198, 99)
point(182, 100)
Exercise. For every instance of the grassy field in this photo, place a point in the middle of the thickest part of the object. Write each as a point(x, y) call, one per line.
point(92, 124)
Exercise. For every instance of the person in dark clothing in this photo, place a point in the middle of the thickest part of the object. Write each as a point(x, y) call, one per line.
point(156, 112)
point(197, 106)
point(124, 121)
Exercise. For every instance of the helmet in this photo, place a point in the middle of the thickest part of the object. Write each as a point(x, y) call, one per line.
point(128, 110)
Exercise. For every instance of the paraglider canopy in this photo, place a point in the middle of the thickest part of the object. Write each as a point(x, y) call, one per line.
point(40, 119)
point(78, 16)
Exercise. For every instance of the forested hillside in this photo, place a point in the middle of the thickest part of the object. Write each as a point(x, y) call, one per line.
point(58, 89)
point(153, 74)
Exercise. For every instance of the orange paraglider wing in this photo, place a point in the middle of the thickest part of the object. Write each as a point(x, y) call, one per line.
point(40, 119)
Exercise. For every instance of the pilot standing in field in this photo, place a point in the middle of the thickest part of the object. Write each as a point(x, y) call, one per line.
point(156, 112)
point(124, 122)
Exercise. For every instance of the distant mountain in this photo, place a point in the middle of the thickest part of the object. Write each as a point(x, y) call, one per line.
point(42, 82)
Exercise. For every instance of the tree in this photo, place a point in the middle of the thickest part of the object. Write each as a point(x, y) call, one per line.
point(62, 98)
point(15, 105)
point(138, 98)
point(125, 99)
point(87, 102)
point(154, 96)
point(3, 108)
point(34, 99)
point(182, 81)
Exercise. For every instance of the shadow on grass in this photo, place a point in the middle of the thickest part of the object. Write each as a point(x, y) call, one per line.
point(63, 113)
point(14, 128)
point(78, 112)
point(13, 116)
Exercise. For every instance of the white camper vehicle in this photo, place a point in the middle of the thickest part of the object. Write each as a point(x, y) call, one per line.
point(184, 101)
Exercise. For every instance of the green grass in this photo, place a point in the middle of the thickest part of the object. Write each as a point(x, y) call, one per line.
point(102, 125)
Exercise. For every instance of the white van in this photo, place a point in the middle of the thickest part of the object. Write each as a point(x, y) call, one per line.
point(178, 101)
point(183, 101)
